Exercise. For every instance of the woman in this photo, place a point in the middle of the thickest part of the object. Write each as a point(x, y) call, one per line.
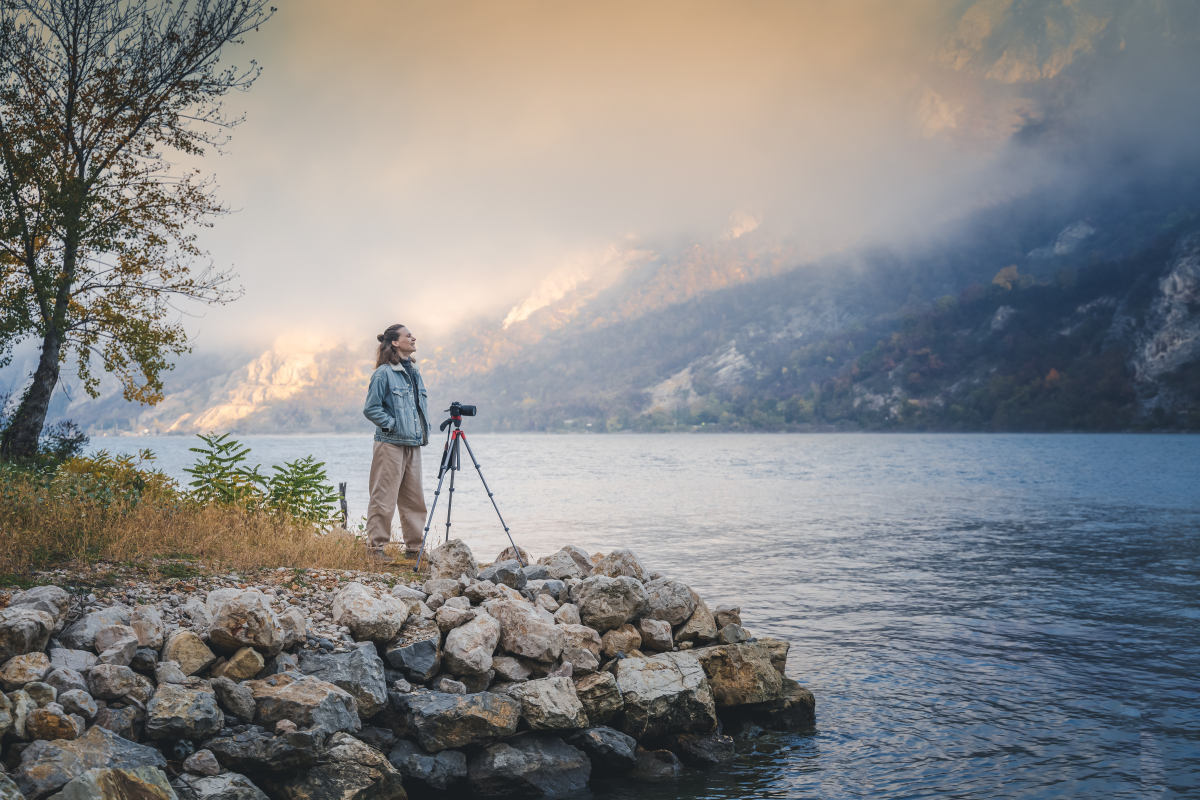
point(396, 403)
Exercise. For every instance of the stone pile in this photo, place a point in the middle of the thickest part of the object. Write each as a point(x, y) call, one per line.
point(503, 681)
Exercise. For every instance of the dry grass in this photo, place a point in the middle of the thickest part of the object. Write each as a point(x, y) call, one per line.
point(39, 527)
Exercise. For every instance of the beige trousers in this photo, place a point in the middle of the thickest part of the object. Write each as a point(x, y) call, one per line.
point(395, 483)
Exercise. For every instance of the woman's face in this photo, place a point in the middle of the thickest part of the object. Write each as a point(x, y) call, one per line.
point(406, 345)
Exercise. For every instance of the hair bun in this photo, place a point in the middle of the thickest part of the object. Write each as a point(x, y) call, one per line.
point(379, 338)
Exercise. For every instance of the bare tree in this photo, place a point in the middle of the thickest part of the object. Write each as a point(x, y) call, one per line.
point(97, 225)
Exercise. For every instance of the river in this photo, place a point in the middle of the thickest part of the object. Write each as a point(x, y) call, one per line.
point(979, 616)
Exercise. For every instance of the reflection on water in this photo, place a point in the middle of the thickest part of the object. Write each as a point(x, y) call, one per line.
point(978, 616)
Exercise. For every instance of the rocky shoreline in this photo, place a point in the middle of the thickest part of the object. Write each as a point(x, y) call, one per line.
point(502, 681)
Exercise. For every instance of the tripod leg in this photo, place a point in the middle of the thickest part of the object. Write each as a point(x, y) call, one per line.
point(516, 549)
point(428, 522)
point(453, 470)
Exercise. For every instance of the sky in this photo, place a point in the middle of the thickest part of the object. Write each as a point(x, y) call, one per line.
point(429, 162)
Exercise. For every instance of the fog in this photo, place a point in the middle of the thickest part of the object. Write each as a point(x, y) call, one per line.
point(428, 162)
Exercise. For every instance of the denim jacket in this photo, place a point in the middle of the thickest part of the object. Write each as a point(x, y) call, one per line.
point(391, 407)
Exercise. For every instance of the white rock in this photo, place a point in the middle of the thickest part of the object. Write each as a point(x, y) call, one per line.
point(524, 633)
point(468, 649)
point(369, 618)
point(147, 624)
point(550, 704)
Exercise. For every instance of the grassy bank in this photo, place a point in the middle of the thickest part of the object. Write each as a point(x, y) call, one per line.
point(121, 510)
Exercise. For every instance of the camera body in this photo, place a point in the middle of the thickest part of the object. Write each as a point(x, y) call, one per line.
point(457, 409)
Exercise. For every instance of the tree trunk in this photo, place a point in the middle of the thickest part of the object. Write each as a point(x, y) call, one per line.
point(20, 438)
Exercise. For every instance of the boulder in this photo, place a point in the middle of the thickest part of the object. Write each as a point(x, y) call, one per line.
point(142, 783)
point(242, 665)
point(246, 620)
point(656, 765)
point(23, 630)
point(20, 670)
point(449, 617)
point(562, 565)
point(515, 552)
point(550, 704)
point(567, 614)
point(727, 615)
point(295, 627)
point(776, 651)
point(547, 602)
point(530, 765)
point(670, 600)
point(624, 639)
point(256, 752)
point(381, 739)
point(451, 560)
point(42, 693)
point(369, 618)
point(21, 705)
point(551, 588)
point(482, 591)
point(116, 644)
point(304, 699)
point(435, 770)
point(609, 750)
point(169, 672)
point(48, 766)
point(581, 648)
point(620, 563)
point(228, 786)
point(347, 769)
point(740, 674)
point(78, 660)
point(418, 651)
point(732, 634)
point(795, 708)
point(359, 672)
point(442, 721)
point(112, 682)
point(700, 628)
point(665, 694)
point(148, 626)
point(186, 649)
point(508, 573)
point(408, 593)
point(8, 789)
point(524, 633)
point(235, 699)
point(64, 680)
point(600, 696)
point(606, 603)
point(53, 722)
point(703, 750)
point(144, 660)
point(49, 599)
point(510, 669)
point(176, 712)
point(446, 587)
point(534, 572)
point(79, 702)
point(468, 649)
point(656, 635)
point(198, 612)
point(125, 722)
point(81, 634)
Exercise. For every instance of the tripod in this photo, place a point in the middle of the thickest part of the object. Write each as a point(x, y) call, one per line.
point(450, 463)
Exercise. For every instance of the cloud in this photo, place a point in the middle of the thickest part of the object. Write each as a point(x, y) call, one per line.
point(430, 162)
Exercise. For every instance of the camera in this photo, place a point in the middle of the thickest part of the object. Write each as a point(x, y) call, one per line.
point(457, 409)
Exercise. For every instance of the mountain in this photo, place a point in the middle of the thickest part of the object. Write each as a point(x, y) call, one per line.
point(1035, 315)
